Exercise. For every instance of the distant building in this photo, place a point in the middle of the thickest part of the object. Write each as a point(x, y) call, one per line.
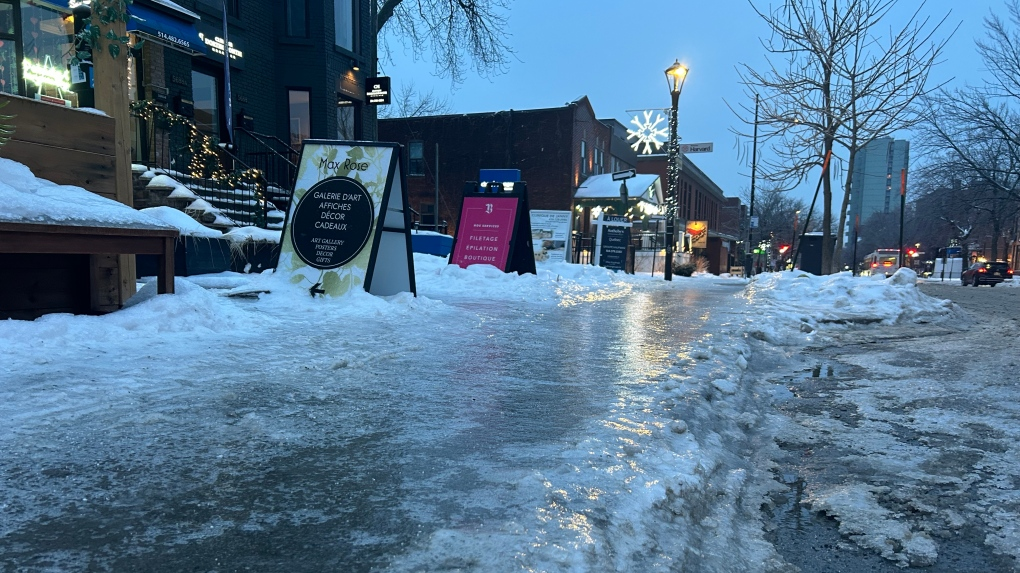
point(557, 150)
point(876, 178)
point(554, 148)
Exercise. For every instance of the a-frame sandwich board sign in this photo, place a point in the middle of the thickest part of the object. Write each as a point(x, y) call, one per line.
point(494, 228)
point(348, 224)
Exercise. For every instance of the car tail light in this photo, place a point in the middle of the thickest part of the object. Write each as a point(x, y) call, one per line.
point(1009, 272)
point(982, 270)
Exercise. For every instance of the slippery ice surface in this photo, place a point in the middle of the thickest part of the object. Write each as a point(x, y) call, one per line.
point(576, 420)
point(501, 431)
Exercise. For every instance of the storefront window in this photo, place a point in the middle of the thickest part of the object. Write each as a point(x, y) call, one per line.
point(345, 120)
point(47, 37)
point(8, 67)
point(8, 52)
point(300, 117)
point(7, 19)
point(205, 91)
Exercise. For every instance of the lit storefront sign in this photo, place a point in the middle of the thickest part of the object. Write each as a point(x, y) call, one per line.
point(45, 74)
point(216, 45)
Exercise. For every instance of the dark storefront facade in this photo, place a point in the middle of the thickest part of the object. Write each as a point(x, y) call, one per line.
point(297, 67)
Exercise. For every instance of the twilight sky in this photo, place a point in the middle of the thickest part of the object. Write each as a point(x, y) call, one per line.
point(615, 53)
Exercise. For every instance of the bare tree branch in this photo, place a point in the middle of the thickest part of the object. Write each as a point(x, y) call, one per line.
point(459, 34)
point(836, 87)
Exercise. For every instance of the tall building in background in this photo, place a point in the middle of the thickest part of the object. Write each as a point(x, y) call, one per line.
point(876, 179)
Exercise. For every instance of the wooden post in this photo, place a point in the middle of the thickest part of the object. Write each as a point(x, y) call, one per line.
point(111, 92)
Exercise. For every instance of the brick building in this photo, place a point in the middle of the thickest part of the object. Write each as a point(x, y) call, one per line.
point(555, 149)
point(700, 199)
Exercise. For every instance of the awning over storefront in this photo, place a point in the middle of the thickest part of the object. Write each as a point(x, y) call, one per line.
point(176, 32)
point(641, 187)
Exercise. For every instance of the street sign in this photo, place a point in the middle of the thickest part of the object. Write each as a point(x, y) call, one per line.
point(625, 174)
point(696, 147)
point(754, 222)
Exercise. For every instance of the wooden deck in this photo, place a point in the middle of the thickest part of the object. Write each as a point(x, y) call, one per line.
point(95, 241)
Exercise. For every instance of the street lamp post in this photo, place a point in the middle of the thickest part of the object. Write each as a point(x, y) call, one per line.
point(675, 76)
point(748, 257)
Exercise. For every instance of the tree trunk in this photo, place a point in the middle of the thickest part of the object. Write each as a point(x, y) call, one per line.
point(826, 216)
point(385, 12)
point(996, 233)
point(844, 207)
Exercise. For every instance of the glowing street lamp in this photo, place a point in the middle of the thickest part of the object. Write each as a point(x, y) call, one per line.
point(675, 77)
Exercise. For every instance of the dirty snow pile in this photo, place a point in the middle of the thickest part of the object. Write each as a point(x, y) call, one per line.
point(795, 301)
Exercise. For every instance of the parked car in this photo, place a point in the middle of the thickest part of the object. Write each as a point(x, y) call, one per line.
point(991, 274)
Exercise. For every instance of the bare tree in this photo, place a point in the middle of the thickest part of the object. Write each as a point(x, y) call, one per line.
point(778, 213)
point(972, 134)
point(459, 33)
point(409, 102)
point(840, 87)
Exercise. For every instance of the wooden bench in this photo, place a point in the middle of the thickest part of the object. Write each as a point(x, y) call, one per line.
point(57, 239)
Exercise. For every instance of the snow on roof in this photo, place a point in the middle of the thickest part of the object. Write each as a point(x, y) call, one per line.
point(25, 198)
point(644, 186)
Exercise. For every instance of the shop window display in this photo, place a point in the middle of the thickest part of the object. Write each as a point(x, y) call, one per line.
point(8, 50)
point(47, 37)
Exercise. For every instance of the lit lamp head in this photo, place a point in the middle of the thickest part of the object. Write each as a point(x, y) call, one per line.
point(675, 76)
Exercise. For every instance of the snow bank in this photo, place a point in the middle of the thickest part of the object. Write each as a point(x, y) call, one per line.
point(797, 302)
point(28, 199)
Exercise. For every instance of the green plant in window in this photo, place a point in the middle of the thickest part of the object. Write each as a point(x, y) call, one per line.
point(90, 39)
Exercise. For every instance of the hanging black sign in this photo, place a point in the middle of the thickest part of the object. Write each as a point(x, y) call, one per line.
point(378, 91)
point(332, 222)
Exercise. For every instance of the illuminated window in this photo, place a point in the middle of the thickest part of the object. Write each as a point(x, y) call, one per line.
point(584, 157)
point(300, 116)
point(46, 41)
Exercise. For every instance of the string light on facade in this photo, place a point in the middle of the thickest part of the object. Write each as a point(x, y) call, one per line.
point(205, 159)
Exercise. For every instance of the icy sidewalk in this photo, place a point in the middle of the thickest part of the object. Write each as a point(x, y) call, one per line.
point(572, 421)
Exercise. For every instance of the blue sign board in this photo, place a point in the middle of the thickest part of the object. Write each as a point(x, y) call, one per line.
point(501, 175)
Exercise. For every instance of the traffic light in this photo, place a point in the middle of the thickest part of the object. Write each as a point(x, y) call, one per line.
point(783, 249)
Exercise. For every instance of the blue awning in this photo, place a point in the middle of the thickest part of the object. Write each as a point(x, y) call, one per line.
point(164, 29)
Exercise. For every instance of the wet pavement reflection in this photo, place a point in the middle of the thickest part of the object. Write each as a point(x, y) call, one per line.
point(338, 447)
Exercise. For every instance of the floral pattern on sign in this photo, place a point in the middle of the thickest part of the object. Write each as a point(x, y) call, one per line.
point(370, 166)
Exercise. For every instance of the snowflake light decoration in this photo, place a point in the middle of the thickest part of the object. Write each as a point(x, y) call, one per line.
point(648, 133)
